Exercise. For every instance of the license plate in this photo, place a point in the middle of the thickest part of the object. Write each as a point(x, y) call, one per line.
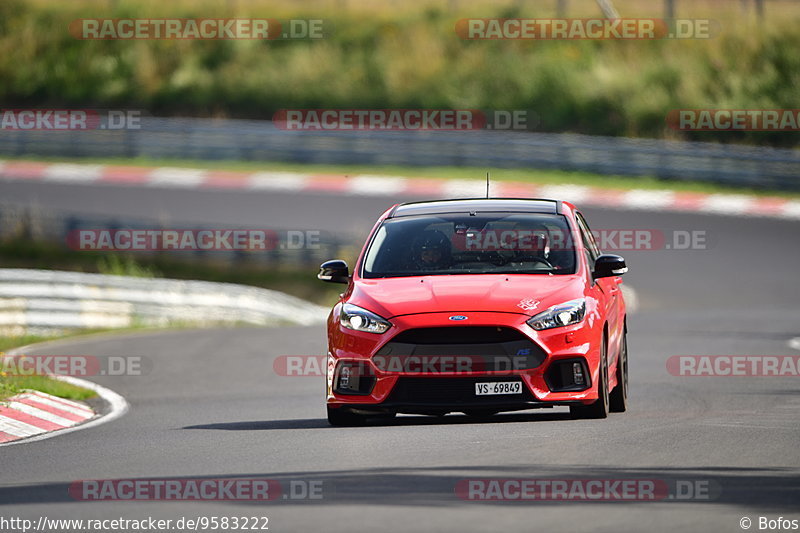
point(498, 387)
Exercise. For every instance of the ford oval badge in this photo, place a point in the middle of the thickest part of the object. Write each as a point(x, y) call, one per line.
point(458, 317)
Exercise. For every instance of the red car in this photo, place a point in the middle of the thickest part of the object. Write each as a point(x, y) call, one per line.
point(477, 306)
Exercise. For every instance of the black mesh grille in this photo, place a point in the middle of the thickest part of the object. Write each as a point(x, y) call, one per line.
point(459, 335)
point(478, 349)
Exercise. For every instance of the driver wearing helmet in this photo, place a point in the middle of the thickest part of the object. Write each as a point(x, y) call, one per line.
point(431, 250)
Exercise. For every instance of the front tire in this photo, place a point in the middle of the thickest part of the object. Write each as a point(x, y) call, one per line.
point(342, 417)
point(599, 409)
point(619, 396)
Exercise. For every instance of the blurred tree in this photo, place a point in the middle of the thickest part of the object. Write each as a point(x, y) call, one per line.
point(669, 9)
point(609, 11)
point(760, 9)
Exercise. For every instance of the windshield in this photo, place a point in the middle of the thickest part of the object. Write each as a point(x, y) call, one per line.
point(502, 243)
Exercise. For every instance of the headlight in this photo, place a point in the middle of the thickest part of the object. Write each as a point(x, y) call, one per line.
point(564, 314)
point(354, 317)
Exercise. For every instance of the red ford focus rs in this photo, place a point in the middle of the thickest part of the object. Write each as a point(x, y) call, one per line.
point(477, 306)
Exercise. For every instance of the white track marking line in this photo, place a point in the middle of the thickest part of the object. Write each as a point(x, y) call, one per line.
point(176, 177)
point(464, 189)
point(790, 210)
point(795, 343)
point(646, 199)
point(367, 185)
point(281, 181)
point(67, 172)
point(729, 203)
point(571, 193)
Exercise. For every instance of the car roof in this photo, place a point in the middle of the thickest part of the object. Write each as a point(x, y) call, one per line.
point(477, 205)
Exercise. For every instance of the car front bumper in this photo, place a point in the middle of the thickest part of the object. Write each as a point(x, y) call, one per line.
point(387, 380)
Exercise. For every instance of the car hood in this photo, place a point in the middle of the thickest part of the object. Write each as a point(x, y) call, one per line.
point(524, 294)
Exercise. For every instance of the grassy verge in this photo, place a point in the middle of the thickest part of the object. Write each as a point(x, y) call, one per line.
point(533, 176)
point(11, 384)
point(9, 342)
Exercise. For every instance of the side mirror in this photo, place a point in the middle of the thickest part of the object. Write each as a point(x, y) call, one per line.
point(335, 271)
point(609, 265)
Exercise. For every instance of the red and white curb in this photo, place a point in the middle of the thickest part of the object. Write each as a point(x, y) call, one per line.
point(33, 413)
point(371, 185)
point(33, 416)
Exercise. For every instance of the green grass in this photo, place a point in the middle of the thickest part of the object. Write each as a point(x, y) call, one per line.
point(11, 384)
point(406, 55)
point(115, 265)
point(534, 176)
point(7, 342)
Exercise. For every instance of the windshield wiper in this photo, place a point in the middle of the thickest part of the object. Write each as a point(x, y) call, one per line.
point(523, 271)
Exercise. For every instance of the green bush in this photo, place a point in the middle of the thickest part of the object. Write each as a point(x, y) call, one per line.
point(405, 58)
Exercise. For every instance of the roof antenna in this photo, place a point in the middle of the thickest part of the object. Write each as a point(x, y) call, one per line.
point(487, 185)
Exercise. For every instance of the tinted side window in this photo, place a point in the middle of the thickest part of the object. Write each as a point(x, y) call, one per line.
point(591, 252)
point(588, 237)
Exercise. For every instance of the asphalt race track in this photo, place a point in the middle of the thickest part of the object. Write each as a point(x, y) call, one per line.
point(213, 407)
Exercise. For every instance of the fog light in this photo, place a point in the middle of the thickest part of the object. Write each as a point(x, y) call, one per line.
point(354, 378)
point(577, 374)
point(568, 375)
point(344, 377)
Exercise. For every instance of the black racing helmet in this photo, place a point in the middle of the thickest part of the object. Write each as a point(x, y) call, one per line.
point(431, 249)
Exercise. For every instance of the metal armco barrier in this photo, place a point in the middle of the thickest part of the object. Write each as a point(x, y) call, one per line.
point(35, 300)
point(249, 140)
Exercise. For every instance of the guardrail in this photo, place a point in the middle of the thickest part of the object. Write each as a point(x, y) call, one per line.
point(47, 300)
point(248, 140)
point(38, 225)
